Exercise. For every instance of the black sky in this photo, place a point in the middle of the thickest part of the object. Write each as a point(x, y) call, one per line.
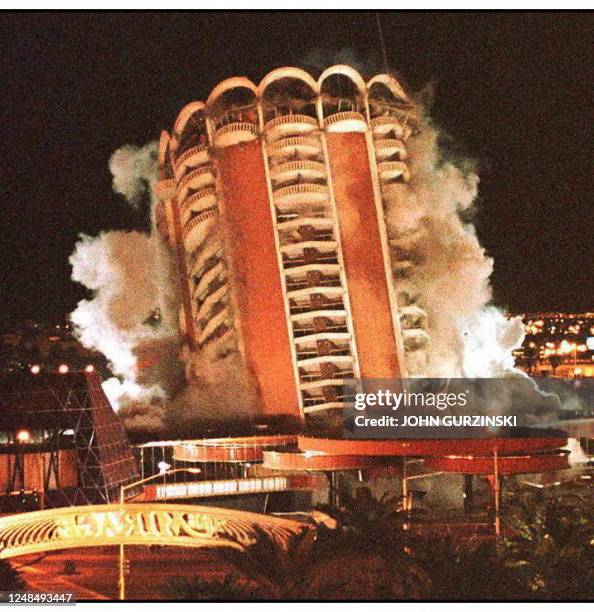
point(513, 89)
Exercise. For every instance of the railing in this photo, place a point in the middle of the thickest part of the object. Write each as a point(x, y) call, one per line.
point(187, 155)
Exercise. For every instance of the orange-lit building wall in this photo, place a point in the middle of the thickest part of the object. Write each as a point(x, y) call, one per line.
point(259, 300)
point(363, 256)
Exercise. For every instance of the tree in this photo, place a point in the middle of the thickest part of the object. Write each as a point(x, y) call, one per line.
point(10, 579)
point(231, 588)
point(555, 361)
point(551, 547)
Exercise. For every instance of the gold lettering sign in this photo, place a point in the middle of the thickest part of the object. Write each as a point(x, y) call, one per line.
point(134, 524)
point(137, 523)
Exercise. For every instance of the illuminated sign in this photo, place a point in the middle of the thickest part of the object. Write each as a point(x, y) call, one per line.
point(144, 524)
point(222, 487)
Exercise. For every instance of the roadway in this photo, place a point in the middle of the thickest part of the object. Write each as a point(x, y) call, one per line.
point(96, 575)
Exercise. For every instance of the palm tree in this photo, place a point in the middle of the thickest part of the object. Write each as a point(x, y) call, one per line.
point(465, 569)
point(231, 588)
point(363, 558)
point(552, 546)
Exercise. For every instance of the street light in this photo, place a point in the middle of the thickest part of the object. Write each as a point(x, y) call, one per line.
point(163, 471)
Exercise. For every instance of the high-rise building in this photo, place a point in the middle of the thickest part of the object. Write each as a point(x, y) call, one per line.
point(272, 197)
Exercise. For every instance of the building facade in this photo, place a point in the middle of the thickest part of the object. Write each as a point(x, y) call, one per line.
point(272, 198)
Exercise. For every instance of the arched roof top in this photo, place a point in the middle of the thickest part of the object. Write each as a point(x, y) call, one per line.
point(163, 147)
point(228, 85)
point(390, 82)
point(185, 114)
point(344, 70)
point(288, 72)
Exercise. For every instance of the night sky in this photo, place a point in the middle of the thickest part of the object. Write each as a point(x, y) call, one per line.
point(513, 89)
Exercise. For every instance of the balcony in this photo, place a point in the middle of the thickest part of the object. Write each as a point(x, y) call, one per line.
point(403, 269)
point(305, 329)
point(217, 327)
point(392, 170)
point(210, 301)
point(302, 270)
point(165, 189)
point(389, 147)
point(196, 156)
point(386, 124)
point(415, 339)
point(348, 121)
point(295, 147)
point(412, 317)
point(307, 347)
point(208, 277)
point(305, 193)
point(308, 409)
point(197, 179)
point(318, 223)
point(296, 249)
point(294, 170)
point(235, 133)
point(328, 310)
point(323, 382)
point(290, 125)
point(196, 231)
point(393, 191)
point(342, 362)
point(198, 202)
point(320, 283)
point(311, 341)
point(210, 255)
point(303, 293)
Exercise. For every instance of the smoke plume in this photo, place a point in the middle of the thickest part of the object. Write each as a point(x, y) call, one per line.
point(134, 171)
point(450, 276)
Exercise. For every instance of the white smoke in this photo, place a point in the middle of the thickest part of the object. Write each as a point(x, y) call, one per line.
point(118, 268)
point(450, 276)
point(134, 171)
point(132, 275)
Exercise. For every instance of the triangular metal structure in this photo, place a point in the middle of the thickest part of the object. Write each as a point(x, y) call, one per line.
point(59, 407)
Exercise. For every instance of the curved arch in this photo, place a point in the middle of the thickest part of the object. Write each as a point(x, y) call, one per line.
point(343, 70)
point(288, 91)
point(165, 168)
point(228, 85)
point(287, 72)
point(185, 114)
point(164, 144)
point(139, 524)
point(391, 83)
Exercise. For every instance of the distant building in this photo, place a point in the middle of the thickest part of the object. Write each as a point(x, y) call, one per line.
point(47, 347)
point(557, 344)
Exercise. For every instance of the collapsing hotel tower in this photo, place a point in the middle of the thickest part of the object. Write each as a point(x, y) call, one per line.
point(272, 197)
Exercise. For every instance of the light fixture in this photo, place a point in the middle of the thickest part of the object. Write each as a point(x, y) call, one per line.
point(89, 368)
point(163, 466)
point(23, 435)
point(63, 369)
point(35, 369)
